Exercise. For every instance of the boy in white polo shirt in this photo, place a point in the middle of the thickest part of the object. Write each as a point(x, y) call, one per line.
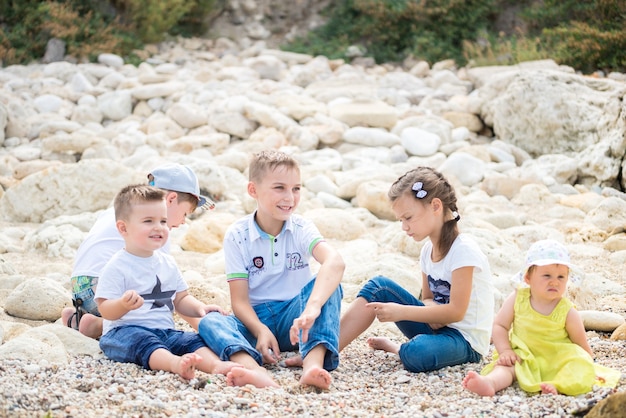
point(182, 198)
point(278, 304)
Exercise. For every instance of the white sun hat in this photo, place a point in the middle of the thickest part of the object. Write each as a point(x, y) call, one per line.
point(545, 253)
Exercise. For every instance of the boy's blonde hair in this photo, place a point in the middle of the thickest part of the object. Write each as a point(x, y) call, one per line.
point(135, 194)
point(269, 160)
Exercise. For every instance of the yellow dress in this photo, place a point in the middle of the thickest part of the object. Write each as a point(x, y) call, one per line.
point(548, 355)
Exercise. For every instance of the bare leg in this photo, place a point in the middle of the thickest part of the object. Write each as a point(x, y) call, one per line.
point(313, 373)
point(548, 389)
point(184, 366)
point(90, 325)
point(211, 363)
point(500, 377)
point(385, 344)
point(354, 322)
point(66, 314)
point(192, 321)
point(248, 372)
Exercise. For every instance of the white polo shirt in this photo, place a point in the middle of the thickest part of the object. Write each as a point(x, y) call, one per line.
point(276, 267)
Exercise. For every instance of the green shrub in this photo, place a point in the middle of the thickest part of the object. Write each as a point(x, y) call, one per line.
point(587, 48)
point(390, 30)
point(90, 27)
point(504, 49)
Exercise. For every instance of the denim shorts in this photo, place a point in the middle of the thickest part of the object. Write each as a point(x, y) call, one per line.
point(83, 292)
point(135, 344)
point(427, 349)
point(226, 335)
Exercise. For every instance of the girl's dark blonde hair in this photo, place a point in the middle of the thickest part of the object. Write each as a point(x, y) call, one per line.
point(132, 195)
point(433, 185)
point(269, 160)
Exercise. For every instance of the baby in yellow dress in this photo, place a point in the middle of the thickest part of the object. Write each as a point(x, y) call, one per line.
point(539, 336)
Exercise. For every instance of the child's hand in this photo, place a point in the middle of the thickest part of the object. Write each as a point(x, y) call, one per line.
point(130, 300)
point(303, 323)
point(508, 358)
point(214, 308)
point(385, 312)
point(267, 345)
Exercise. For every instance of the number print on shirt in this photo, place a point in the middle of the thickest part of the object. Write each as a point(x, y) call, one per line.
point(295, 261)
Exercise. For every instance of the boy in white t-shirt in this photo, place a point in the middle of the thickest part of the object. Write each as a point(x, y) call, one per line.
point(104, 240)
point(278, 304)
point(140, 288)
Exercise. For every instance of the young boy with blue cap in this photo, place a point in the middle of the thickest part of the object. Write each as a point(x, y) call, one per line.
point(103, 240)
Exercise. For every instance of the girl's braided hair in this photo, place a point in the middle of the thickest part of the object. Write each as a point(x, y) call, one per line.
point(425, 184)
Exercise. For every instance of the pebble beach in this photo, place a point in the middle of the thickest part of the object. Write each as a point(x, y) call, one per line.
point(73, 134)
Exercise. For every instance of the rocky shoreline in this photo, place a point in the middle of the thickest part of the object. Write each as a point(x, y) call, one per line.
point(527, 160)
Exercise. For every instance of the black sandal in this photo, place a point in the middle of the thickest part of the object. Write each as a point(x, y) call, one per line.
point(78, 314)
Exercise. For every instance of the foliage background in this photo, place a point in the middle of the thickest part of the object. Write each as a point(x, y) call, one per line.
point(588, 35)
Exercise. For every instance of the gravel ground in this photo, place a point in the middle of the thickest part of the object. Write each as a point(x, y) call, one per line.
point(367, 384)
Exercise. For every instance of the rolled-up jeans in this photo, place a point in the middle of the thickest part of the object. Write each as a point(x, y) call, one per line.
point(227, 335)
point(427, 349)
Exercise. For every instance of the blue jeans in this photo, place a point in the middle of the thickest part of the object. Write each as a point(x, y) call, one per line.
point(227, 335)
point(427, 349)
point(135, 344)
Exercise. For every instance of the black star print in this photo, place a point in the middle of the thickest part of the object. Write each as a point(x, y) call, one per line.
point(159, 297)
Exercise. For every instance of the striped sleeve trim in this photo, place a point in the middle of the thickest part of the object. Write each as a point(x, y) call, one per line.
point(236, 276)
point(314, 243)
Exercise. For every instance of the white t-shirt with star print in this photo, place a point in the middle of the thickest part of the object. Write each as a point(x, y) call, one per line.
point(157, 279)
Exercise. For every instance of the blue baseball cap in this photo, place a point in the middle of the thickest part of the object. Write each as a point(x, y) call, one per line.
point(179, 178)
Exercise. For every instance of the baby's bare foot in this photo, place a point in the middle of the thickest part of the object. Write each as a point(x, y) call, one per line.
point(478, 384)
point(317, 377)
point(548, 389)
point(382, 343)
point(240, 376)
point(185, 365)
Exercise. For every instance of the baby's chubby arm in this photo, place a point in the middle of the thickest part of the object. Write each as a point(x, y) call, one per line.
point(500, 334)
point(576, 330)
point(113, 309)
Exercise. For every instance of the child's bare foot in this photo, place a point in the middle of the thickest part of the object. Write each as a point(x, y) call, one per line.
point(478, 384)
point(548, 389)
point(316, 376)
point(385, 344)
point(223, 367)
point(295, 361)
point(240, 376)
point(185, 366)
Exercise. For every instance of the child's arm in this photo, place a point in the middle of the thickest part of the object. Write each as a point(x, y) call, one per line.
point(576, 330)
point(327, 280)
point(432, 313)
point(113, 309)
point(188, 305)
point(242, 309)
point(500, 333)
